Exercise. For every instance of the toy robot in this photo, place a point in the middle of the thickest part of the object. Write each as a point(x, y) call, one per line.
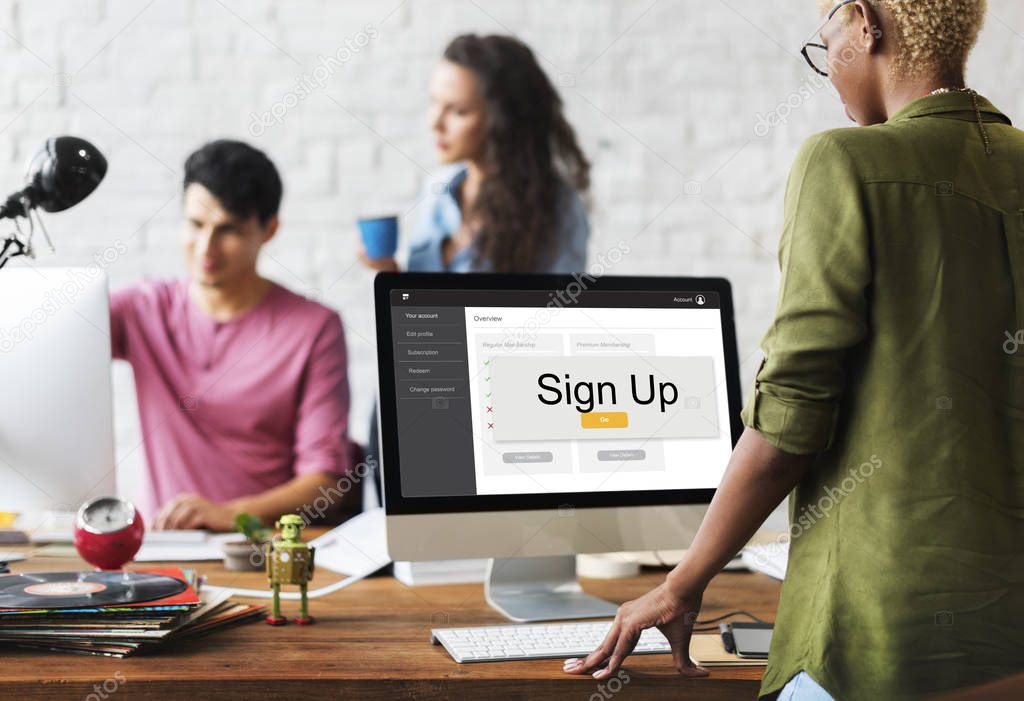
point(289, 561)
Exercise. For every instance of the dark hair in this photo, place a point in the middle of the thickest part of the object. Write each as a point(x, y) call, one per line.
point(530, 152)
point(240, 176)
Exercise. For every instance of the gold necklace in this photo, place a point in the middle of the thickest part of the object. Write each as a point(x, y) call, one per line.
point(977, 111)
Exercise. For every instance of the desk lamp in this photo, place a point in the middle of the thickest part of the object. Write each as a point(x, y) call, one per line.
point(61, 174)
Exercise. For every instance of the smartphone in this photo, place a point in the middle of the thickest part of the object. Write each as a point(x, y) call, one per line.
point(752, 640)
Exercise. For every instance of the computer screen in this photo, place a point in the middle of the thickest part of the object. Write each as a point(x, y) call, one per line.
point(622, 393)
point(56, 413)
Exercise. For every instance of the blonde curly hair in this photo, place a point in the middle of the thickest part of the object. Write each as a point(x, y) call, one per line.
point(931, 35)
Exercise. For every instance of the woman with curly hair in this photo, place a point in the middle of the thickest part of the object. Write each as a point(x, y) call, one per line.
point(890, 401)
point(510, 202)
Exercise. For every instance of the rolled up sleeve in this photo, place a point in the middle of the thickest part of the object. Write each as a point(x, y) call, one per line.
point(825, 260)
point(122, 316)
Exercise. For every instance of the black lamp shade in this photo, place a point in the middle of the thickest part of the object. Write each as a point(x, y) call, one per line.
point(63, 173)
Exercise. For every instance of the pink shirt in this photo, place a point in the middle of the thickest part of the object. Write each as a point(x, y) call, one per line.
point(230, 409)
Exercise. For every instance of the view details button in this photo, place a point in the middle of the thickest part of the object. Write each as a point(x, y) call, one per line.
point(528, 456)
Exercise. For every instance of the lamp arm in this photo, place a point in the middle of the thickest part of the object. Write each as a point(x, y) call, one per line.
point(15, 205)
point(9, 242)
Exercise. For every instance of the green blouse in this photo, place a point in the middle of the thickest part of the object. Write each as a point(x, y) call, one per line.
point(897, 355)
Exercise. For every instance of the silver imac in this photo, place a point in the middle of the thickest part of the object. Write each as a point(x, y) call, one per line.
point(531, 418)
point(56, 422)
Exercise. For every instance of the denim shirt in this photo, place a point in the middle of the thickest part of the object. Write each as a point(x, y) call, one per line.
point(440, 217)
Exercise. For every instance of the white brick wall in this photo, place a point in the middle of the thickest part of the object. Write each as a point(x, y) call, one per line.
point(662, 94)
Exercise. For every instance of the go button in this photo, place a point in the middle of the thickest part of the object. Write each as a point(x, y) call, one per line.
point(605, 419)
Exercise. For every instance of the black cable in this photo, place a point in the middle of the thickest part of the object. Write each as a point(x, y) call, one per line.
point(705, 625)
point(716, 619)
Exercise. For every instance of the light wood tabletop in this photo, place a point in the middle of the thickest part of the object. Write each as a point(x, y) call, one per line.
point(371, 640)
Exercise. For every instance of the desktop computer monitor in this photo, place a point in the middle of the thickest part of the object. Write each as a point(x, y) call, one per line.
point(528, 418)
point(56, 423)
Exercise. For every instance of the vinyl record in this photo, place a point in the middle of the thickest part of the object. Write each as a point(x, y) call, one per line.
point(61, 590)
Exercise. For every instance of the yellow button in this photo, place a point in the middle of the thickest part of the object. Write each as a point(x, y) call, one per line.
point(605, 419)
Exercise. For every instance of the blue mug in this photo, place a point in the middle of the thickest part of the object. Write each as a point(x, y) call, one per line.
point(380, 236)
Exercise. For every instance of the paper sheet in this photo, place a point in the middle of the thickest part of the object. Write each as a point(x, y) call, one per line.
point(358, 548)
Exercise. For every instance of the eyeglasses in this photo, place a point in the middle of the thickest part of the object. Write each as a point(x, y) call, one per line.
point(816, 54)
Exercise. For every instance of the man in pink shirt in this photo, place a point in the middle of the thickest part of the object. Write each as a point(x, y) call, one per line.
point(242, 385)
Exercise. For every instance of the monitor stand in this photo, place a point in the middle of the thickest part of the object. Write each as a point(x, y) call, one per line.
point(541, 589)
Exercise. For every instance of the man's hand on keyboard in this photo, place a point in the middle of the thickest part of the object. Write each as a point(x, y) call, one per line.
point(659, 608)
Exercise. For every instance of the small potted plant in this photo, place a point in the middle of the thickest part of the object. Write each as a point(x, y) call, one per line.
point(247, 554)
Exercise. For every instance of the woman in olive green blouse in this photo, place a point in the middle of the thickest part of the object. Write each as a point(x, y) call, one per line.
point(890, 402)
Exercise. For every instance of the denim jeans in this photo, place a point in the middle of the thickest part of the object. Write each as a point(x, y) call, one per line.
point(802, 688)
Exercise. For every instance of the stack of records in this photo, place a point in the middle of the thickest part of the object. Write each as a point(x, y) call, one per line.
point(112, 613)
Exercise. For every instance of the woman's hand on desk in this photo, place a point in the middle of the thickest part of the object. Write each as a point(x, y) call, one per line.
point(758, 477)
point(187, 511)
point(660, 608)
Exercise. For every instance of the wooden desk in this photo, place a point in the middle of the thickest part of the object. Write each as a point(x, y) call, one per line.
point(370, 641)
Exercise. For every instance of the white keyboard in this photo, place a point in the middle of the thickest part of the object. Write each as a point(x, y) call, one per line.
point(535, 641)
